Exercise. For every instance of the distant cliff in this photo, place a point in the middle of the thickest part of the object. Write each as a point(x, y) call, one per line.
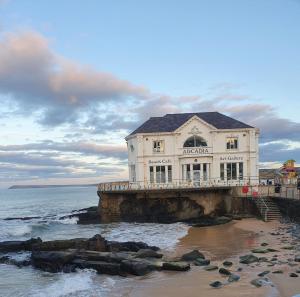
point(48, 186)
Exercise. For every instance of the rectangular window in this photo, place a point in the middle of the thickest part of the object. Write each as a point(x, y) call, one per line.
point(132, 173)
point(160, 174)
point(158, 146)
point(163, 174)
point(241, 170)
point(231, 171)
point(204, 171)
point(169, 174)
point(232, 143)
point(188, 172)
point(196, 167)
point(151, 175)
point(234, 171)
point(222, 171)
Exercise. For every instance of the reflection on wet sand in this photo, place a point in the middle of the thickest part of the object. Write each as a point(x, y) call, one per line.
point(217, 242)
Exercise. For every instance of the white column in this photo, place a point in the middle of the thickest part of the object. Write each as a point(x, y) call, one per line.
point(201, 172)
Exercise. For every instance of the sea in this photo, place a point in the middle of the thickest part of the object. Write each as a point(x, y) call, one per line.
point(46, 206)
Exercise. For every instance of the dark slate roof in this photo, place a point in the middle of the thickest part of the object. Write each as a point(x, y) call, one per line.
point(171, 122)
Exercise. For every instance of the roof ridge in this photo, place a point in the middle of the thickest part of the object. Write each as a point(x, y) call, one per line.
point(171, 121)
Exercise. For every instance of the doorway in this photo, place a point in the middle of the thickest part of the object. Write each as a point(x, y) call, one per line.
point(196, 175)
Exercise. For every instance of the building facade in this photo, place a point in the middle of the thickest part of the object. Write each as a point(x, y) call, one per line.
point(193, 150)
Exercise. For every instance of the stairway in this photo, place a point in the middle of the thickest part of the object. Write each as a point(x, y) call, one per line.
point(268, 209)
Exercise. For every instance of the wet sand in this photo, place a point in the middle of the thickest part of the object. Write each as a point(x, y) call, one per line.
point(219, 243)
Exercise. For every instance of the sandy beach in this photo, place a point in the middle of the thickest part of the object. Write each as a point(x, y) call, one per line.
point(228, 242)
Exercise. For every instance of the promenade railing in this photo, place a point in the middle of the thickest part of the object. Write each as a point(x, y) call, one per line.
point(176, 184)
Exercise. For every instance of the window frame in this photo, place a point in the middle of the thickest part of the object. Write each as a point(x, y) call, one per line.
point(158, 146)
point(232, 143)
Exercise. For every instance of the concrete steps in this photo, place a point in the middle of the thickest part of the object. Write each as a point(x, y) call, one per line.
point(268, 209)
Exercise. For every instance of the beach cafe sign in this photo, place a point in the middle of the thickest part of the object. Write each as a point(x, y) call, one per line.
point(163, 161)
point(197, 151)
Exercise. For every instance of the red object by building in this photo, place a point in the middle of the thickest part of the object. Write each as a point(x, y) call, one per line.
point(245, 189)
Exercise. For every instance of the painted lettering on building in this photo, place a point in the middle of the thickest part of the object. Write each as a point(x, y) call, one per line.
point(231, 158)
point(160, 161)
point(197, 151)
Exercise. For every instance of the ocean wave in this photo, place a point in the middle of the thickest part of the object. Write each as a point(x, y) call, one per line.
point(165, 236)
point(15, 231)
point(67, 221)
point(83, 284)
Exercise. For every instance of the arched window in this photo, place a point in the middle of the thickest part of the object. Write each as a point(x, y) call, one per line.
point(195, 141)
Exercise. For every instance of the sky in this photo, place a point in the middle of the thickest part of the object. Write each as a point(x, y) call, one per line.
point(76, 77)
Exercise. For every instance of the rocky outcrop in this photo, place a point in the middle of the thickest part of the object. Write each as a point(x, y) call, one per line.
point(15, 246)
point(96, 243)
point(206, 221)
point(108, 257)
point(85, 216)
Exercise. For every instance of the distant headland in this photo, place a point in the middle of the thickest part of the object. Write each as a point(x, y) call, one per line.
point(48, 186)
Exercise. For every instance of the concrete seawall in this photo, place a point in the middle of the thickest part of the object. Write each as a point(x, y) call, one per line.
point(289, 208)
point(171, 205)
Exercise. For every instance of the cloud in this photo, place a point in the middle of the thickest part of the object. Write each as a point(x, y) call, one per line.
point(84, 148)
point(16, 166)
point(37, 83)
point(50, 159)
point(279, 152)
point(36, 78)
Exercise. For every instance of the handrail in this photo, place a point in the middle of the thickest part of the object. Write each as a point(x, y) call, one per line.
point(266, 208)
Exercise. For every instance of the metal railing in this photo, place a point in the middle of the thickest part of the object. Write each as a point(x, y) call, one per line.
point(288, 192)
point(177, 184)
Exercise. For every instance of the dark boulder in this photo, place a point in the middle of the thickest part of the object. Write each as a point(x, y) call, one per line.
point(15, 246)
point(53, 261)
point(147, 253)
point(227, 263)
point(233, 278)
point(211, 268)
point(111, 257)
point(176, 266)
point(258, 282)
point(264, 273)
point(216, 284)
point(130, 246)
point(224, 271)
point(136, 267)
point(96, 243)
point(85, 216)
point(248, 259)
point(211, 221)
point(100, 266)
point(201, 262)
point(191, 256)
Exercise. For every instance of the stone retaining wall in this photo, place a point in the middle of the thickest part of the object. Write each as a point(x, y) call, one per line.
point(168, 206)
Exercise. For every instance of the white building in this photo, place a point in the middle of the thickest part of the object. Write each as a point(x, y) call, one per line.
point(193, 149)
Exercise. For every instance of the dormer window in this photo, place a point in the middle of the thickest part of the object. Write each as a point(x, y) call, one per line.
point(232, 143)
point(158, 146)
